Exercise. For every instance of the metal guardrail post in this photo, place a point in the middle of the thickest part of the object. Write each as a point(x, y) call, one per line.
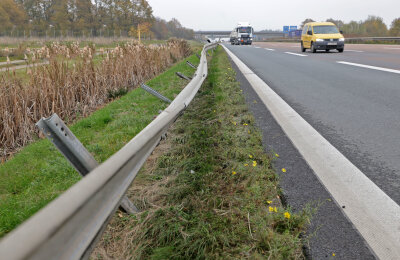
point(182, 76)
point(73, 150)
point(155, 93)
point(191, 65)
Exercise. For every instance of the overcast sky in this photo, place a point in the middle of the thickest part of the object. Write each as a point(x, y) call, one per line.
point(269, 14)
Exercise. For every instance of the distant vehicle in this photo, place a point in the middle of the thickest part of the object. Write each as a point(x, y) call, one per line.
point(321, 36)
point(242, 34)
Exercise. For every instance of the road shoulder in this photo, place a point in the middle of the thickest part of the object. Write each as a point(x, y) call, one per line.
point(330, 232)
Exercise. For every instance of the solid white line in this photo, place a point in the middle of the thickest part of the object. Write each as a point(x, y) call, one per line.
point(369, 67)
point(297, 54)
point(256, 47)
point(373, 213)
point(269, 49)
point(353, 51)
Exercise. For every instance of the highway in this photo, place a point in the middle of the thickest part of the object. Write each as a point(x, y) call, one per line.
point(352, 100)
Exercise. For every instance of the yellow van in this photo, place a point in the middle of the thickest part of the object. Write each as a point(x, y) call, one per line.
point(321, 36)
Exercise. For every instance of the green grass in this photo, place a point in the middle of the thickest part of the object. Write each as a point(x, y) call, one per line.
point(39, 173)
point(213, 193)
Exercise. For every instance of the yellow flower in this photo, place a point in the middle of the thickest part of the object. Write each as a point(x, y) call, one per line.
point(245, 124)
point(287, 215)
point(277, 155)
point(215, 111)
point(283, 170)
point(233, 173)
point(248, 132)
point(333, 254)
point(269, 201)
point(275, 210)
point(246, 164)
point(234, 123)
point(250, 156)
point(254, 163)
point(271, 209)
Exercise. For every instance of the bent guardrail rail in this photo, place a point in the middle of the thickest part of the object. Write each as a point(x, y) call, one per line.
point(69, 226)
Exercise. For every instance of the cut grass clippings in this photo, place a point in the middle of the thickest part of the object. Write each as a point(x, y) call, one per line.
point(209, 191)
point(39, 173)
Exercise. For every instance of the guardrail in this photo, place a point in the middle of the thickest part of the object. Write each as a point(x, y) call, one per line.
point(375, 38)
point(70, 226)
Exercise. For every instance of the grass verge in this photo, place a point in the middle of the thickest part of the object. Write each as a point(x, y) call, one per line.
point(39, 173)
point(209, 191)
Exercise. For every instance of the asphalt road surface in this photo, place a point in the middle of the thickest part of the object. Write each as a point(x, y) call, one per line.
point(352, 100)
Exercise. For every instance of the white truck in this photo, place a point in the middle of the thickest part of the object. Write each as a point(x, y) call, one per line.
point(242, 34)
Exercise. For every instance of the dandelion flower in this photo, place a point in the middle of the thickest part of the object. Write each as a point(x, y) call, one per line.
point(254, 163)
point(245, 124)
point(269, 201)
point(271, 209)
point(287, 215)
point(283, 170)
point(233, 173)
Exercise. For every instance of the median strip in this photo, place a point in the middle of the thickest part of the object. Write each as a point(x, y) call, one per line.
point(210, 192)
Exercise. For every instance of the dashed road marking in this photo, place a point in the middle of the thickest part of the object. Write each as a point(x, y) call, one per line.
point(369, 67)
point(353, 51)
point(269, 49)
point(297, 54)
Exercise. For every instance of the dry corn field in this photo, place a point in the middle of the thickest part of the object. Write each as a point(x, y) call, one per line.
point(72, 84)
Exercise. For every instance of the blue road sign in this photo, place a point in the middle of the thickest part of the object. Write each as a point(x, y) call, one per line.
point(286, 29)
point(293, 28)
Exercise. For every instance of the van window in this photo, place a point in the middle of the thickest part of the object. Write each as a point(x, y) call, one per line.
point(325, 29)
point(305, 29)
point(310, 29)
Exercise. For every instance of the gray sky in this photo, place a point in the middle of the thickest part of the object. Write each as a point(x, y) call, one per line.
point(268, 14)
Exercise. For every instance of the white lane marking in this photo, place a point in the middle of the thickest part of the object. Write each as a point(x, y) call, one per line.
point(390, 48)
point(297, 54)
point(269, 49)
point(369, 67)
point(294, 46)
point(353, 51)
point(373, 213)
point(257, 47)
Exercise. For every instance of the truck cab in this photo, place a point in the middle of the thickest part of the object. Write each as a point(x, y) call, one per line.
point(242, 34)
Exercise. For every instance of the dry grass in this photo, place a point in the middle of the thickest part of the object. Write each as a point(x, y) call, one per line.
point(73, 85)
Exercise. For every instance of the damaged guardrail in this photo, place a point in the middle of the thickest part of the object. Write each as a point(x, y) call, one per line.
point(70, 226)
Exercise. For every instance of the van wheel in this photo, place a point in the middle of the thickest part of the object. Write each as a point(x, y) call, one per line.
point(302, 47)
point(327, 50)
point(340, 50)
point(313, 50)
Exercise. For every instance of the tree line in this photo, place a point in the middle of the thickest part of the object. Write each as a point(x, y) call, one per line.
point(372, 26)
point(87, 17)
